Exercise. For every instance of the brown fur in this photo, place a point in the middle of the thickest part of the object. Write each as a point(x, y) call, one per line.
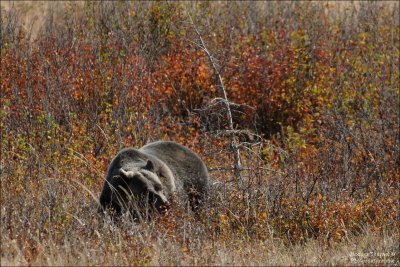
point(148, 176)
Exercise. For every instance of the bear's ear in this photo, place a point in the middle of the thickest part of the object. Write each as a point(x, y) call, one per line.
point(124, 173)
point(149, 165)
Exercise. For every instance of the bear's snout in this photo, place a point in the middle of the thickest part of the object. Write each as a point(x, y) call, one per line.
point(159, 201)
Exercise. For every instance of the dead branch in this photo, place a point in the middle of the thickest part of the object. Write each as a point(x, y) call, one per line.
point(233, 145)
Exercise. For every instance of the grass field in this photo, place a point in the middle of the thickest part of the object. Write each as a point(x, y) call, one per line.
point(313, 89)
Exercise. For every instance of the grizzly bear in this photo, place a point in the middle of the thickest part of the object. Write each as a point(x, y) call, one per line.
point(139, 180)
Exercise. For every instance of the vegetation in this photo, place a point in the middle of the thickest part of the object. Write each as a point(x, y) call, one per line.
point(314, 94)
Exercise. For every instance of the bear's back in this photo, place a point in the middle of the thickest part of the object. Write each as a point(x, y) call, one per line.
point(188, 169)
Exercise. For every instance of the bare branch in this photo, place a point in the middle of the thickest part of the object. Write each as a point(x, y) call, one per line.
point(233, 145)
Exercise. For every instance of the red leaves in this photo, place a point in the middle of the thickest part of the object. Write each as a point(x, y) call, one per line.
point(183, 79)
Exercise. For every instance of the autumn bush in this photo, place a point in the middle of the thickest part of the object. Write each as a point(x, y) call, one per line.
point(314, 91)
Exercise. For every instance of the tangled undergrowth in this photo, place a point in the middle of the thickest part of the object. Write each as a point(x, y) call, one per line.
point(315, 101)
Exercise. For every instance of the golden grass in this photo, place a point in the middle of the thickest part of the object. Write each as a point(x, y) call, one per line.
point(367, 249)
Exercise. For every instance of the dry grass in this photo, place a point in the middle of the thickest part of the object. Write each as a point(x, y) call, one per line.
point(53, 223)
point(367, 249)
point(83, 238)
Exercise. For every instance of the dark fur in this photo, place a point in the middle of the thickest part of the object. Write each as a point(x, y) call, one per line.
point(151, 174)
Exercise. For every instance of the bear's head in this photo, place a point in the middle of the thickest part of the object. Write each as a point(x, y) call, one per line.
point(138, 191)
